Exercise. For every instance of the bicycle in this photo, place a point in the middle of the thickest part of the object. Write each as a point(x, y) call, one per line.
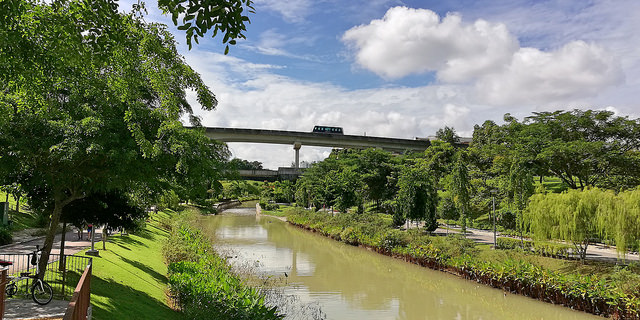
point(41, 291)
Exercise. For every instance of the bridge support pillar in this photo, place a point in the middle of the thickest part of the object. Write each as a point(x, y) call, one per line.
point(296, 147)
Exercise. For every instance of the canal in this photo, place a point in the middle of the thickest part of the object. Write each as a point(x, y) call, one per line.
point(353, 283)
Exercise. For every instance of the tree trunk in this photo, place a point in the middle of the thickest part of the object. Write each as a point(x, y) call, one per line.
point(48, 241)
point(18, 204)
point(104, 237)
point(61, 266)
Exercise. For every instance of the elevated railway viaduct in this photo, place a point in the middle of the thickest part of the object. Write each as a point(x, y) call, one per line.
point(297, 139)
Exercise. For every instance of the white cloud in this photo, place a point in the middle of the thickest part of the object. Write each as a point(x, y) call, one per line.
point(409, 41)
point(536, 77)
point(291, 10)
point(414, 41)
point(273, 43)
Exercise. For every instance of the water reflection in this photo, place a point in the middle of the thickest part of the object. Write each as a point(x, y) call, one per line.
point(350, 282)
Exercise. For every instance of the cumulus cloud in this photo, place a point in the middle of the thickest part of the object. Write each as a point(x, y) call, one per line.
point(533, 76)
point(407, 41)
point(415, 41)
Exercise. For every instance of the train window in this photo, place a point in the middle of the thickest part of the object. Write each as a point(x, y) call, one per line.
point(323, 129)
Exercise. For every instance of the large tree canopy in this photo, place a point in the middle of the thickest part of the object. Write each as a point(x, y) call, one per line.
point(91, 101)
point(582, 148)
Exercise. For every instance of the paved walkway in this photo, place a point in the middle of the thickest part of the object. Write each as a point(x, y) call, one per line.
point(26, 308)
point(594, 252)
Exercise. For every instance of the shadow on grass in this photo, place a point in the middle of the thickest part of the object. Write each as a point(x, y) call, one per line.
point(113, 300)
point(145, 234)
point(159, 231)
point(144, 268)
point(126, 240)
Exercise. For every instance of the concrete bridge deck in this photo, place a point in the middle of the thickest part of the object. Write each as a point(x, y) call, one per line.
point(314, 139)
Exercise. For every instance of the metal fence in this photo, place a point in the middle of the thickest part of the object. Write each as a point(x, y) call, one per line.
point(63, 272)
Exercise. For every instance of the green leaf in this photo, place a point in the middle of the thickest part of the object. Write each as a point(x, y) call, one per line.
point(184, 26)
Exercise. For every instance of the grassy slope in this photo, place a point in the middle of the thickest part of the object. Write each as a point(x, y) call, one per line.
point(23, 220)
point(129, 279)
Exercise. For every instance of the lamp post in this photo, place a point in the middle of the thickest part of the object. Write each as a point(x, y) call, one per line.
point(493, 201)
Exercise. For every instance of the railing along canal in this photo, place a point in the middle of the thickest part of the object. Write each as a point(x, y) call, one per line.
point(63, 272)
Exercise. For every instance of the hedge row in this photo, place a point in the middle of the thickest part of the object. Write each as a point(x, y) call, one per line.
point(546, 249)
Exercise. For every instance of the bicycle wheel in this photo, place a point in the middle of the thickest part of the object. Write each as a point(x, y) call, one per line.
point(11, 289)
point(41, 292)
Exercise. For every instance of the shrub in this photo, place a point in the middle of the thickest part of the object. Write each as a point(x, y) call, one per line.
point(268, 205)
point(454, 246)
point(394, 238)
point(272, 206)
point(511, 243)
point(547, 249)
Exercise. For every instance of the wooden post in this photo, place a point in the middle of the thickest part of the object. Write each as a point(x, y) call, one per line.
point(3, 285)
point(81, 300)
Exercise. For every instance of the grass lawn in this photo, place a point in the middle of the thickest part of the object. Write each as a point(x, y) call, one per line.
point(280, 212)
point(129, 278)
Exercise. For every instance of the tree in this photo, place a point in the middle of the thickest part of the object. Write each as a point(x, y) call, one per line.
point(519, 187)
point(112, 208)
point(417, 196)
point(374, 167)
point(583, 148)
point(618, 217)
point(91, 102)
point(460, 187)
point(438, 159)
point(448, 134)
point(347, 186)
point(569, 216)
point(241, 164)
point(200, 16)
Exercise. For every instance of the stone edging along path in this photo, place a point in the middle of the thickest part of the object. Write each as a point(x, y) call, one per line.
point(536, 291)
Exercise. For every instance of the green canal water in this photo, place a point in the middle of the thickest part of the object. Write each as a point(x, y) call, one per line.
point(353, 283)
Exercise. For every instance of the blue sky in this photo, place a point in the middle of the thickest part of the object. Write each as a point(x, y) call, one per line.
point(406, 68)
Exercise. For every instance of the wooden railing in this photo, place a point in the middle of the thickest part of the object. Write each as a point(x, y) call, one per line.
point(3, 286)
point(81, 300)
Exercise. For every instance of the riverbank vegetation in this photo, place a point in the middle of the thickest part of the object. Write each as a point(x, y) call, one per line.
point(594, 287)
point(202, 282)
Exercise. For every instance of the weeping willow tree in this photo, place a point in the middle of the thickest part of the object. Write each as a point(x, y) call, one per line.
point(619, 219)
point(461, 190)
point(520, 188)
point(417, 196)
point(571, 216)
point(579, 216)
